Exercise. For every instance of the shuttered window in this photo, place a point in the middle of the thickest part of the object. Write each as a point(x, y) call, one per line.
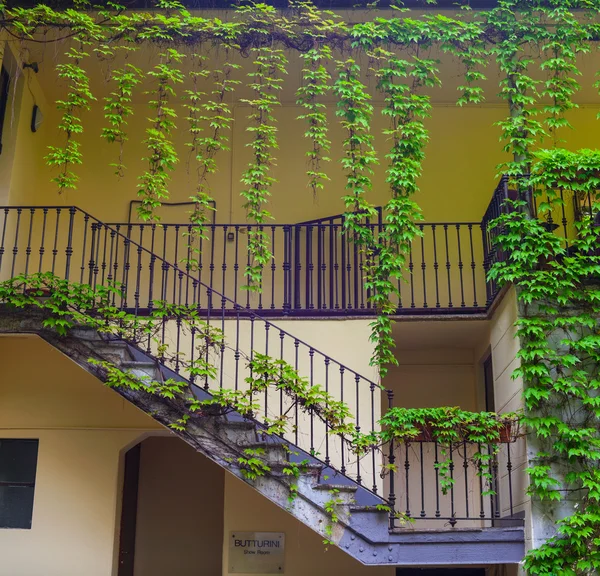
point(18, 464)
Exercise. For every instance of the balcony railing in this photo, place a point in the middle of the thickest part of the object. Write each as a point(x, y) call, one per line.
point(475, 490)
point(316, 270)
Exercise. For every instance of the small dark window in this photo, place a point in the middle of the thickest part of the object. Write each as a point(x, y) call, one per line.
point(18, 463)
point(4, 90)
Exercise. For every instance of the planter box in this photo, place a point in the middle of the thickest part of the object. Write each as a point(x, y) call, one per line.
point(426, 434)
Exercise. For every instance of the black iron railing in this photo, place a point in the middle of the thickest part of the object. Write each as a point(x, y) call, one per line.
point(73, 245)
point(477, 484)
point(317, 270)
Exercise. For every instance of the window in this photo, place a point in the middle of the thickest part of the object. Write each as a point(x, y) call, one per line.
point(4, 91)
point(18, 463)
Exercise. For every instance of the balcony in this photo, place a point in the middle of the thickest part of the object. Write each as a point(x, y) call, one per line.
point(315, 270)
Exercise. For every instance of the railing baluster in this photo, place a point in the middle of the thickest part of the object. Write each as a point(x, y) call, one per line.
point(343, 467)
point(55, 246)
point(491, 481)
point(470, 228)
point(224, 267)
point(437, 481)
point(354, 268)
point(373, 457)
point(151, 267)
point(336, 268)
point(466, 472)
point(266, 390)
point(343, 242)
point(327, 460)
point(411, 268)
point(407, 474)
point(392, 461)
point(311, 355)
point(69, 249)
point(480, 474)
point(237, 348)
point(42, 248)
point(28, 248)
point(287, 268)
point(423, 266)
point(460, 267)
point(509, 470)
point(448, 266)
point(15, 249)
point(357, 425)
point(296, 427)
point(94, 252)
point(281, 411)
point(452, 520)
point(423, 513)
point(2, 240)
point(236, 266)
point(320, 271)
point(86, 219)
point(273, 267)
point(138, 276)
point(297, 268)
point(435, 267)
point(212, 266)
point(309, 268)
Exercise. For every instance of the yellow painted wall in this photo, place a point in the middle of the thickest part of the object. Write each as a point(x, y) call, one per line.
point(180, 511)
point(459, 170)
point(82, 428)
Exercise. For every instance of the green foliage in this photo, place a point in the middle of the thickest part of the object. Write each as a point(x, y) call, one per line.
point(78, 99)
point(560, 351)
point(214, 114)
point(162, 156)
point(534, 44)
point(265, 81)
point(316, 80)
point(118, 108)
point(252, 465)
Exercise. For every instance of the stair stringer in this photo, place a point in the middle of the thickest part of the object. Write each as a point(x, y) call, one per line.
point(362, 533)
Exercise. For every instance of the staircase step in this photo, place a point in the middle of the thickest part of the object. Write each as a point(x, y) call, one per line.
point(358, 508)
point(115, 351)
point(272, 452)
point(86, 333)
point(350, 488)
point(140, 369)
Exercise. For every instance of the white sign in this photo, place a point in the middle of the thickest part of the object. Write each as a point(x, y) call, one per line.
point(256, 552)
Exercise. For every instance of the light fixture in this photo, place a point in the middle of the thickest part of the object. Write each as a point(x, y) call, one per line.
point(36, 118)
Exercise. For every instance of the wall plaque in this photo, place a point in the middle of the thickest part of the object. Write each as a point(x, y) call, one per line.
point(256, 552)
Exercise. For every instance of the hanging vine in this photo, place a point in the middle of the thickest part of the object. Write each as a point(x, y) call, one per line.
point(265, 82)
point(78, 99)
point(316, 85)
point(118, 107)
point(162, 155)
point(215, 115)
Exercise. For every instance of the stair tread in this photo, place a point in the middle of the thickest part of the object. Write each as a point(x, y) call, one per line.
point(340, 487)
point(358, 508)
